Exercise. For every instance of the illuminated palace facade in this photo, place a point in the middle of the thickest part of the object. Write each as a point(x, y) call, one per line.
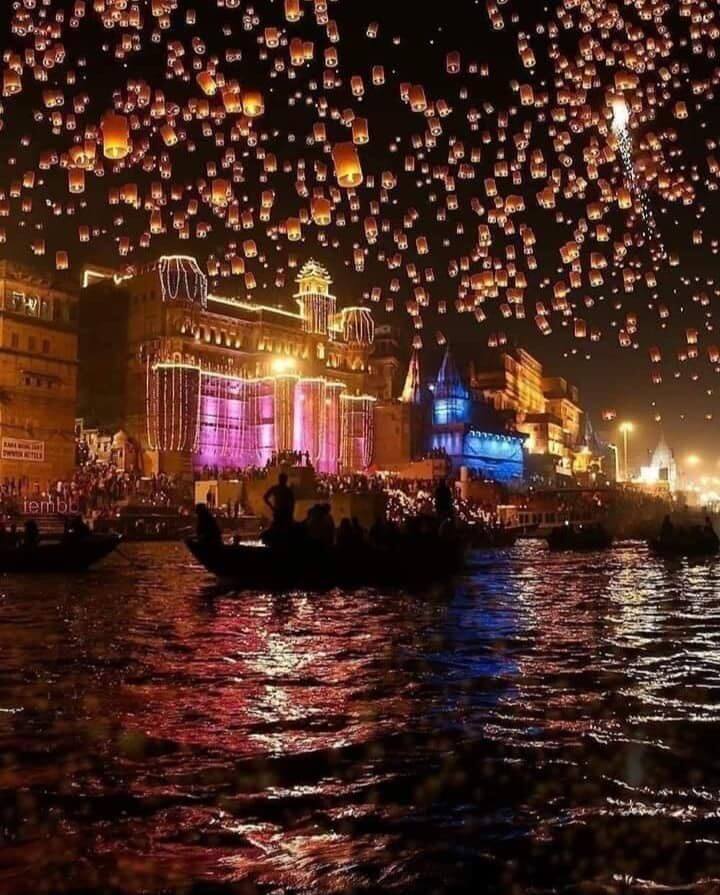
point(38, 378)
point(201, 380)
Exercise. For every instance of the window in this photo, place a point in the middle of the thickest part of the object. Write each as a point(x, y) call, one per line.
point(14, 340)
point(29, 305)
point(32, 345)
point(46, 346)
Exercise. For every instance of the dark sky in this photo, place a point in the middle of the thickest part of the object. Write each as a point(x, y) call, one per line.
point(411, 44)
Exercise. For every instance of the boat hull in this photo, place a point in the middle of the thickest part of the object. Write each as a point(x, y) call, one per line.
point(62, 556)
point(685, 547)
point(563, 539)
point(258, 567)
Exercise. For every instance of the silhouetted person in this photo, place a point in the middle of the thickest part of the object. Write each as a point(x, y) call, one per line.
point(443, 500)
point(208, 530)
point(31, 534)
point(320, 526)
point(709, 532)
point(281, 501)
point(345, 536)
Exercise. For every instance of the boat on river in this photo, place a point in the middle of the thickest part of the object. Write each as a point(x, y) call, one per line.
point(59, 555)
point(412, 562)
point(482, 538)
point(580, 537)
point(687, 542)
point(139, 522)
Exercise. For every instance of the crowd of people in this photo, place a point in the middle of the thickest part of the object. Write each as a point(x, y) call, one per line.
point(94, 487)
point(294, 459)
point(319, 529)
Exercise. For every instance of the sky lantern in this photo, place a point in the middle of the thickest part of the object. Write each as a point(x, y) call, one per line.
point(116, 136)
point(221, 193)
point(12, 82)
point(292, 10)
point(207, 83)
point(348, 170)
point(76, 180)
point(360, 131)
point(253, 103)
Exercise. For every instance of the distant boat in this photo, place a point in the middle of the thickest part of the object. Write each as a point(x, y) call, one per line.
point(580, 537)
point(254, 566)
point(493, 538)
point(58, 556)
point(146, 523)
point(686, 542)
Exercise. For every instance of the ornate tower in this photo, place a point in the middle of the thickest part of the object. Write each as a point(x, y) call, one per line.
point(451, 399)
point(317, 304)
point(412, 390)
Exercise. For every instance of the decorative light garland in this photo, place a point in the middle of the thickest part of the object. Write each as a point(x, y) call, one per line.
point(227, 419)
point(172, 406)
point(357, 431)
point(182, 279)
point(358, 326)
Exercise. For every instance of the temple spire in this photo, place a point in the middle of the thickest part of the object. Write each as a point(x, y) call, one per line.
point(449, 382)
point(412, 390)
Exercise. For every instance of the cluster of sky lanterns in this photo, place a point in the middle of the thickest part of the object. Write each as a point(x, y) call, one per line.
point(271, 149)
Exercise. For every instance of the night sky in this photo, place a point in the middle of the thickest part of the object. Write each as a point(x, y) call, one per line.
point(633, 40)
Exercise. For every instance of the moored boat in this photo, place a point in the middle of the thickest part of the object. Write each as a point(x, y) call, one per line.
point(580, 537)
point(146, 523)
point(256, 566)
point(57, 555)
point(686, 543)
point(491, 538)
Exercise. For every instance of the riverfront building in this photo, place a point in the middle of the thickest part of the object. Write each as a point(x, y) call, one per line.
point(506, 421)
point(38, 379)
point(199, 380)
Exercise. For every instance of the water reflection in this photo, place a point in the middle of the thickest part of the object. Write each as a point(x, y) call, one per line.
point(549, 722)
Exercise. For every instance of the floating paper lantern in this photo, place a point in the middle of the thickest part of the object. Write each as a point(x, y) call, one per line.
point(348, 170)
point(116, 136)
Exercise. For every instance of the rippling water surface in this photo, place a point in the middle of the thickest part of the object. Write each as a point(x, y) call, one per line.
point(549, 722)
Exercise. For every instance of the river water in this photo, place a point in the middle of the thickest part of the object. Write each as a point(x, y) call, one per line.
point(549, 722)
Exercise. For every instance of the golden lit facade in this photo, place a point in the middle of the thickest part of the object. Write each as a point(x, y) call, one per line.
point(38, 378)
point(545, 409)
point(208, 380)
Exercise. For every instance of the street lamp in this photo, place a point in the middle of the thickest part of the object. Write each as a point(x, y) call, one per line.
point(626, 429)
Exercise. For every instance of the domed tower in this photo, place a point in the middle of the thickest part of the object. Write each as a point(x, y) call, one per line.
point(182, 280)
point(317, 304)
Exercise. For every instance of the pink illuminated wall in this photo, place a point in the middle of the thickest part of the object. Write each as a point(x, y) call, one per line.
point(243, 422)
point(237, 426)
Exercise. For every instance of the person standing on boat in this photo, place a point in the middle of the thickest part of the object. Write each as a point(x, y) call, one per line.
point(280, 499)
point(444, 501)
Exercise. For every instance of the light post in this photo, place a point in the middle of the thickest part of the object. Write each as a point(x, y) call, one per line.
point(626, 429)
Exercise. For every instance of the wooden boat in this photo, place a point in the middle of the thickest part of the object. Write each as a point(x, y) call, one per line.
point(58, 555)
point(491, 539)
point(580, 537)
point(685, 542)
point(413, 563)
point(145, 523)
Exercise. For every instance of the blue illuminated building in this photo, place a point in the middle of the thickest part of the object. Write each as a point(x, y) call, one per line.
point(470, 432)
